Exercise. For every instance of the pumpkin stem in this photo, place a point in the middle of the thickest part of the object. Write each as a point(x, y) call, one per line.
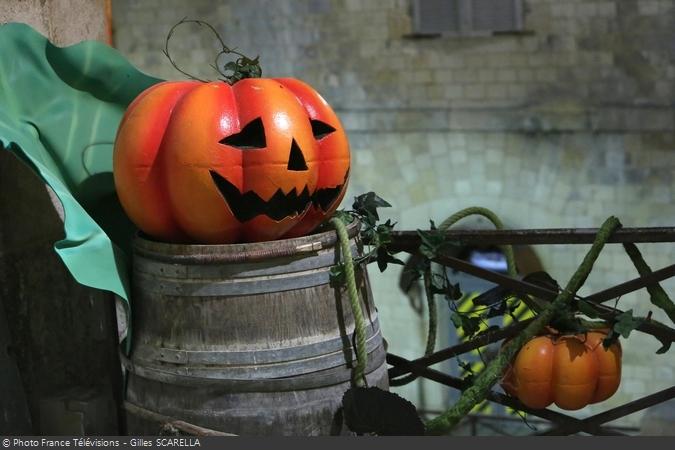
point(232, 71)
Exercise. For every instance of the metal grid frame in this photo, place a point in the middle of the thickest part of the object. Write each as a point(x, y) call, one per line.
point(409, 241)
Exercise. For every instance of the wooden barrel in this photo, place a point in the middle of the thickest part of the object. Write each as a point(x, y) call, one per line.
point(250, 339)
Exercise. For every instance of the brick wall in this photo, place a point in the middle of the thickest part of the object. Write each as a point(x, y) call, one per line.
point(560, 126)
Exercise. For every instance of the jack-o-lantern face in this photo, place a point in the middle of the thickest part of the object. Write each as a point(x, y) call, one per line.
point(219, 163)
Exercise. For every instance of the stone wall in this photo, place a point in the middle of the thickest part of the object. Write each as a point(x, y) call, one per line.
point(561, 125)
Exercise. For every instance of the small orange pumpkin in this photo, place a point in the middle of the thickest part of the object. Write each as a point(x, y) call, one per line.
point(571, 371)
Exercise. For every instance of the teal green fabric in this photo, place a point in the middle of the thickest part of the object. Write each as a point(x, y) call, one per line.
point(59, 112)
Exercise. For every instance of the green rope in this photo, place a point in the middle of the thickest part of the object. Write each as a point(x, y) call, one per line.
point(534, 304)
point(492, 217)
point(431, 332)
point(494, 371)
point(447, 223)
point(657, 295)
point(359, 373)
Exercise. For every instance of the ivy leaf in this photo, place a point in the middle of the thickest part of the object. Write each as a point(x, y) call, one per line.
point(453, 292)
point(366, 206)
point(567, 324)
point(665, 346)
point(587, 309)
point(456, 320)
point(432, 241)
point(469, 374)
point(337, 274)
point(231, 65)
point(372, 410)
point(625, 323)
point(384, 258)
point(492, 296)
point(611, 338)
point(542, 279)
point(513, 304)
point(470, 325)
point(497, 310)
point(383, 232)
point(438, 285)
point(413, 270)
point(465, 366)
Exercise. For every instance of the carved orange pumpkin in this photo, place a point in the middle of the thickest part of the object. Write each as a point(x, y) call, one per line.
point(217, 163)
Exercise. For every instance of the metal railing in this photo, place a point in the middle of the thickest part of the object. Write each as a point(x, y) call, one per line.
point(562, 424)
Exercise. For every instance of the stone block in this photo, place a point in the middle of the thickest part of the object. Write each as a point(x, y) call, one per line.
point(506, 75)
point(648, 7)
point(474, 91)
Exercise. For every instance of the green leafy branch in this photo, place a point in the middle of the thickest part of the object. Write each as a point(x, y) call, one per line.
point(563, 313)
point(376, 235)
point(495, 369)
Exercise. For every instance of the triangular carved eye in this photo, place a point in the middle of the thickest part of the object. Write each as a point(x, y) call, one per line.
point(296, 161)
point(320, 129)
point(251, 136)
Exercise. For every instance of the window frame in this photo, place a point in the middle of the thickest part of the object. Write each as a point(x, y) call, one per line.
point(465, 22)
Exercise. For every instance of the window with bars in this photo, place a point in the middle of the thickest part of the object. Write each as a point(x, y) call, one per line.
point(467, 17)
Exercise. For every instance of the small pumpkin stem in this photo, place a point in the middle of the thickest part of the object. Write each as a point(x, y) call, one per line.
point(232, 71)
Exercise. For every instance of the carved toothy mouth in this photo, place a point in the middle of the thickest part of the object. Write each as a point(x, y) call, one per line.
point(248, 205)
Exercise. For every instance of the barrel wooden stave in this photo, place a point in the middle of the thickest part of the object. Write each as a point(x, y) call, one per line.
point(273, 357)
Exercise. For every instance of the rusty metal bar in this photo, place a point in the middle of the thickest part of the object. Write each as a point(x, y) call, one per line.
point(632, 285)
point(459, 349)
point(502, 399)
point(615, 413)
point(525, 288)
point(631, 407)
point(658, 330)
point(518, 286)
point(459, 384)
point(410, 240)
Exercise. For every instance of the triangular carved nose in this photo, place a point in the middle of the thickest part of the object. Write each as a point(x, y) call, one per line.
point(296, 161)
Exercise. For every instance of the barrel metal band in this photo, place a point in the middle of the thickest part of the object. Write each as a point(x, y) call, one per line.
point(329, 377)
point(287, 266)
point(232, 287)
point(235, 253)
point(278, 355)
point(261, 371)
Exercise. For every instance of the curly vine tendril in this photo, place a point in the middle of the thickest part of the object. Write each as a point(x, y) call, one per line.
point(232, 71)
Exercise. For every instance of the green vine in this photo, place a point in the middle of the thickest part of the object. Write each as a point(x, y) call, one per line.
point(431, 329)
point(232, 71)
point(657, 294)
point(562, 312)
point(495, 369)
